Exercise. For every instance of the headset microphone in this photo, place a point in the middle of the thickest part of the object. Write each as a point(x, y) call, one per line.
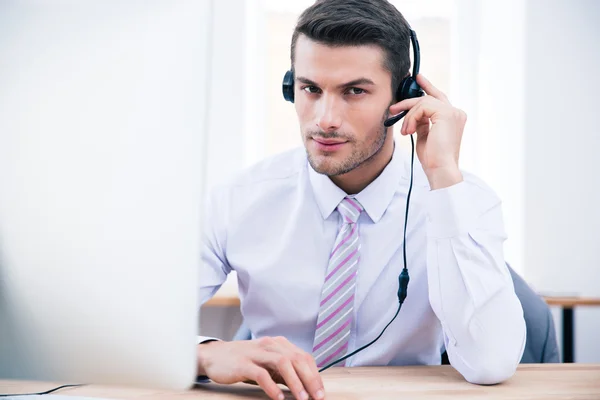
point(392, 120)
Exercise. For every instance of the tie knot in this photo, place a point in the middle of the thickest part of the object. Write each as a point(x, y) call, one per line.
point(350, 210)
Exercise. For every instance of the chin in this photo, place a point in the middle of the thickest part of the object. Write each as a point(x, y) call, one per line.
point(326, 165)
point(322, 164)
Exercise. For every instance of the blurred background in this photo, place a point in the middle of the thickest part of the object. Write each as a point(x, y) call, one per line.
point(525, 72)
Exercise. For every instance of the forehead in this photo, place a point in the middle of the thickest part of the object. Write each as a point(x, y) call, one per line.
point(321, 62)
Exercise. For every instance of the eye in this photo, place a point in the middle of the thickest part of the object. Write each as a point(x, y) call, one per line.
point(311, 89)
point(356, 91)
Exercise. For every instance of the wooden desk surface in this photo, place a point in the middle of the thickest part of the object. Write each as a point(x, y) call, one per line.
point(531, 381)
point(228, 298)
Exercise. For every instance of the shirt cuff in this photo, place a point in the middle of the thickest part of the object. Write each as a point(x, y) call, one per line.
point(453, 210)
point(204, 339)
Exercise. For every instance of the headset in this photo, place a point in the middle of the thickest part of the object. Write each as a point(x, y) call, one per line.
point(408, 88)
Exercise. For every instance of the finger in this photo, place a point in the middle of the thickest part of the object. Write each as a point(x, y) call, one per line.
point(290, 376)
point(417, 115)
point(403, 127)
point(409, 120)
point(308, 372)
point(276, 356)
point(430, 89)
point(306, 368)
point(423, 128)
point(403, 105)
point(265, 381)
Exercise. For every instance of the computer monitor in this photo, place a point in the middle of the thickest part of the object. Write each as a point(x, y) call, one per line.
point(102, 122)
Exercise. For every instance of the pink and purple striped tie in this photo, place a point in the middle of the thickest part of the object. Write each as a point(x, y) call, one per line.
point(337, 296)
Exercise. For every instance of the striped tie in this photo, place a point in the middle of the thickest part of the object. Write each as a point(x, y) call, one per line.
point(337, 297)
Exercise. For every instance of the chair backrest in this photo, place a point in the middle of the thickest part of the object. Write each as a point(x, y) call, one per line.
point(541, 346)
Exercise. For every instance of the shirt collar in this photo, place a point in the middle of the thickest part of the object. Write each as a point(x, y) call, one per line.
point(375, 198)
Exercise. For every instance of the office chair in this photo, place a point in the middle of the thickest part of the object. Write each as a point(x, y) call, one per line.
point(541, 346)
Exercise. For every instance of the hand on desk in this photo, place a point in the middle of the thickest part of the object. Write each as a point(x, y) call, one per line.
point(266, 362)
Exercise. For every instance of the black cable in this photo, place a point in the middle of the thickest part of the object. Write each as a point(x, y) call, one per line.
point(42, 393)
point(364, 347)
point(402, 279)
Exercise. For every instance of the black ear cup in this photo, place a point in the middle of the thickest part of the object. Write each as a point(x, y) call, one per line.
point(408, 89)
point(288, 86)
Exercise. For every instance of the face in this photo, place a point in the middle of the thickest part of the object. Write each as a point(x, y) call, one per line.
point(342, 95)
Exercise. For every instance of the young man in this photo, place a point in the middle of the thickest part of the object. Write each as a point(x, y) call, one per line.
point(316, 235)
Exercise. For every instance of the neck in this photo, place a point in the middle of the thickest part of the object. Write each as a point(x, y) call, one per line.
point(359, 178)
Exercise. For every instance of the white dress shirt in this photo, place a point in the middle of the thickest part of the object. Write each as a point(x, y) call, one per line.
point(275, 225)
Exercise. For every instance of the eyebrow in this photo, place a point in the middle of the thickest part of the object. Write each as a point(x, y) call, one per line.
point(355, 82)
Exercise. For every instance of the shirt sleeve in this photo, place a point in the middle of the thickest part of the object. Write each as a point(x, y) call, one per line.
point(470, 287)
point(214, 267)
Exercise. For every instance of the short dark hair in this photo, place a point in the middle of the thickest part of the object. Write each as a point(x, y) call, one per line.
point(355, 23)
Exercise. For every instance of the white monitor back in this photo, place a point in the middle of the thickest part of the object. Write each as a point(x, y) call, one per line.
point(102, 114)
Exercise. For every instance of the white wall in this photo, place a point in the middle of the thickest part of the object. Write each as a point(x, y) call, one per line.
point(230, 113)
point(227, 111)
point(488, 50)
point(562, 141)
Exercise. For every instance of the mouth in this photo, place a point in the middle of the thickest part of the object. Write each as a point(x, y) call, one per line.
point(328, 144)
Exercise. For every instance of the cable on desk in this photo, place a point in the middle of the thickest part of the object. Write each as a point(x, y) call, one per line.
point(42, 393)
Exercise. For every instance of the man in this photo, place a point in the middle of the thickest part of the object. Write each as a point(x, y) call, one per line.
point(315, 235)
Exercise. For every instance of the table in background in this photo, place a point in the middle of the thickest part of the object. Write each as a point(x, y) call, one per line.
point(531, 381)
point(228, 298)
point(223, 298)
point(567, 305)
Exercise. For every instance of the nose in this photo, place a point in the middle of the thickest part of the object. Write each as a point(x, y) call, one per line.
point(328, 114)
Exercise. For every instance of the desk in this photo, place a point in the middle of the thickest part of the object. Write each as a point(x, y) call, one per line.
point(531, 381)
